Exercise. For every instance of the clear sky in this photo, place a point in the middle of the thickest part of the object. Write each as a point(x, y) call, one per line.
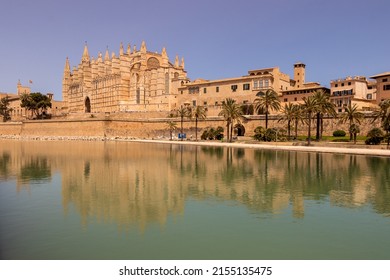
point(218, 39)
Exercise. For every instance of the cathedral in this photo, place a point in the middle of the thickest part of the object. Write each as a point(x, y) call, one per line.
point(133, 80)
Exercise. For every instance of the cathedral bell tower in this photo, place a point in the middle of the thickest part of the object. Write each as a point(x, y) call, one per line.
point(299, 74)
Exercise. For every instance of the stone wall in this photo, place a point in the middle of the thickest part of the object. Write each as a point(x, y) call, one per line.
point(139, 127)
point(10, 128)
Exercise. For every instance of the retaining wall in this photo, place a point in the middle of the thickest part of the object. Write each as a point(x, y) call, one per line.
point(111, 126)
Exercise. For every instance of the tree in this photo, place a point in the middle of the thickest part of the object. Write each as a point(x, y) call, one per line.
point(309, 107)
point(35, 102)
point(182, 113)
point(384, 115)
point(5, 111)
point(266, 101)
point(298, 117)
point(288, 114)
point(354, 129)
point(353, 116)
point(171, 126)
point(374, 136)
point(324, 106)
point(231, 112)
point(197, 113)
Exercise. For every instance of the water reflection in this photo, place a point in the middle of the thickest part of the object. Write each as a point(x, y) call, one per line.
point(135, 184)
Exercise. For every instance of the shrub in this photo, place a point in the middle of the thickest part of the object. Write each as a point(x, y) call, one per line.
point(259, 133)
point(339, 133)
point(270, 134)
point(204, 135)
point(212, 133)
point(374, 136)
point(218, 133)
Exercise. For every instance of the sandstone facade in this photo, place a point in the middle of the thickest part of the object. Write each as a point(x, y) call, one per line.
point(135, 80)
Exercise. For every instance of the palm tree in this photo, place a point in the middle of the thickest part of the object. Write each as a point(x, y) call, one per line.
point(325, 106)
point(298, 117)
point(171, 126)
point(354, 129)
point(231, 112)
point(351, 115)
point(182, 113)
point(265, 101)
point(288, 114)
point(197, 113)
point(384, 115)
point(310, 107)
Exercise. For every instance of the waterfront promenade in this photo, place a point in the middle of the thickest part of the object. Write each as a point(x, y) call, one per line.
point(321, 147)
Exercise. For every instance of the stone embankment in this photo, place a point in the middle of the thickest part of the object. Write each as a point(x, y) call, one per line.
point(66, 138)
point(281, 146)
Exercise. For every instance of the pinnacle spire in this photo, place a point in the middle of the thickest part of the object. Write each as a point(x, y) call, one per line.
point(143, 47)
point(177, 61)
point(107, 55)
point(128, 49)
point(85, 53)
point(121, 49)
point(182, 63)
point(164, 53)
point(67, 66)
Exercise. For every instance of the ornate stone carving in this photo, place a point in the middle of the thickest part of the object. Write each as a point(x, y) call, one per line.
point(153, 63)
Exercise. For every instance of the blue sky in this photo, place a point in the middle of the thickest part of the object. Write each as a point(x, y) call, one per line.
point(218, 39)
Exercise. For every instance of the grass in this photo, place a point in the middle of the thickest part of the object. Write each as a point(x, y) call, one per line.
point(333, 138)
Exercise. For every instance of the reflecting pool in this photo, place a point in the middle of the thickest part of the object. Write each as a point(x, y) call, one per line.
point(127, 200)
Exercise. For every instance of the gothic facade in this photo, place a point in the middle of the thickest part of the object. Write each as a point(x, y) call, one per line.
point(135, 80)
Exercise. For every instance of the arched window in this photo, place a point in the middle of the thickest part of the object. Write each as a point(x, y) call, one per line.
point(87, 105)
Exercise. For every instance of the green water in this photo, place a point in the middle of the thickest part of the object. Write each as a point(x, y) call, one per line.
point(118, 200)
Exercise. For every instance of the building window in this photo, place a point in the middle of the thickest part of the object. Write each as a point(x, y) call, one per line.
point(205, 90)
point(369, 96)
point(245, 86)
point(295, 99)
point(234, 88)
point(342, 84)
point(205, 103)
point(194, 103)
point(384, 80)
point(217, 89)
point(336, 85)
point(386, 87)
point(193, 90)
point(349, 83)
point(261, 83)
point(285, 100)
